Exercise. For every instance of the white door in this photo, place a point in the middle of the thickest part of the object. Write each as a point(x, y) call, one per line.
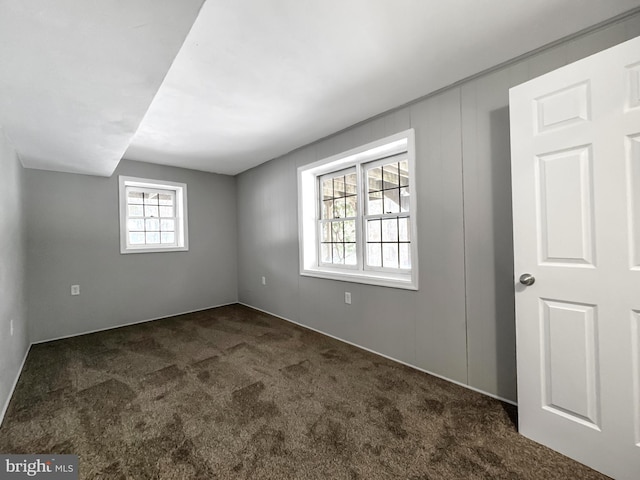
point(575, 144)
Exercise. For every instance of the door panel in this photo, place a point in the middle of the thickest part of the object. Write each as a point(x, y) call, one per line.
point(575, 140)
point(569, 382)
point(634, 86)
point(633, 182)
point(635, 339)
point(565, 207)
point(565, 107)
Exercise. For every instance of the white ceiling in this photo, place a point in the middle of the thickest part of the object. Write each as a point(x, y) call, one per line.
point(254, 79)
point(77, 76)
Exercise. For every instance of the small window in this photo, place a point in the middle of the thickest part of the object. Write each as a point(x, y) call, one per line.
point(153, 216)
point(358, 215)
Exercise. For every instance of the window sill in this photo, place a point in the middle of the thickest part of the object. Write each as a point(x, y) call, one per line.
point(381, 279)
point(153, 250)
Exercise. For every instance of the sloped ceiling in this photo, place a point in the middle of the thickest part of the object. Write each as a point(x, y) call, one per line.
point(254, 78)
point(77, 76)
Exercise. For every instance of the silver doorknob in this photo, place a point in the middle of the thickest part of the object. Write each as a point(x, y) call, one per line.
point(527, 279)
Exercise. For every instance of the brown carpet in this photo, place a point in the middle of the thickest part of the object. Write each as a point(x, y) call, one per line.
point(235, 393)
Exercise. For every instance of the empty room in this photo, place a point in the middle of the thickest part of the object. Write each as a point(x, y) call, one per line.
point(284, 239)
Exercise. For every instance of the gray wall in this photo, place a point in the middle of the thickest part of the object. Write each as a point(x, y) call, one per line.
point(460, 324)
point(73, 238)
point(12, 271)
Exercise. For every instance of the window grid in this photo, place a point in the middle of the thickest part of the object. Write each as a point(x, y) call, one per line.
point(387, 220)
point(151, 217)
point(338, 213)
point(389, 246)
point(386, 226)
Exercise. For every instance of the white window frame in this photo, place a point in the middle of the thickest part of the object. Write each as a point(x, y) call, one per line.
point(402, 143)
point(334, 174)
point(178, 190)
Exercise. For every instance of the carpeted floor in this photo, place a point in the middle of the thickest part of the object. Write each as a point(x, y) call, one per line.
point(235, 393)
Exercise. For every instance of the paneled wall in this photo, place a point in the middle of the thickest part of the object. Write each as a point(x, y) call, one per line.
point(460, 324)
point(14, 341)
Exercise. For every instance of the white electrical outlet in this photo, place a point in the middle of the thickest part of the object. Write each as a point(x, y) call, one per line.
point(347, 298)
point(264, 280)
point(11, 327)
point(75, 289)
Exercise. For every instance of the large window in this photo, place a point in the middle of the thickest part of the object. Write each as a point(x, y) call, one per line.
point(357, 215)
point(153, 216)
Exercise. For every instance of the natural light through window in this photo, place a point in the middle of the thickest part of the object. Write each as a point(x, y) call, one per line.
point(152, 216)
point(339, 210)
point(357, 215)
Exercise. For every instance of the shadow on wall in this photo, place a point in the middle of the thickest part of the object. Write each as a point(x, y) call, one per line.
point(502, 215)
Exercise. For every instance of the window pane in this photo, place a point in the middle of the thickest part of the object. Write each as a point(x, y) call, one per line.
point(326, 232)
point(404, 199)
point(150, 211)
point(327, 189)
point(350, 257)
point(352, 206)
point(392, 201)
point(405, 255)
point(390, 230)
point(390, 255)
point(136, 238)
point(134, 198)
point(404, 232)
point(350, 184)
point(374, 179)
point(167, 225)
point(374, 254)
point(374, 231)
point(340, 207)
point(152, 225)
point(168, 237)
point(350, 231)
point(136, 225)
point(338, 187)
point(166, 212)
point(152, 238)
point(327, 209)
point(404, 173)
point(135, 210)
point(374, 206)
point(390, 175)
point(325, 253)
point(338, 253)
point(151, 198)
point(336, 232)
point(165, 199)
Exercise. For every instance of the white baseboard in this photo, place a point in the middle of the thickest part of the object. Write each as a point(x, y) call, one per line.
point(5, 407)
point(132, 323)
point(385, 356)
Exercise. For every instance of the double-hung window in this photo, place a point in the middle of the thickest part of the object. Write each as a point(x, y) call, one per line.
point(358, 215)
point(153, 216)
